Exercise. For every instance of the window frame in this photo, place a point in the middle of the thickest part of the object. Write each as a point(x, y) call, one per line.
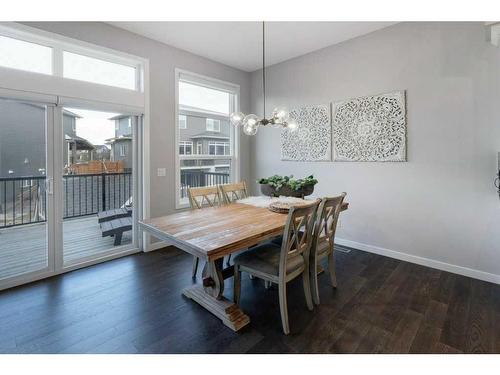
point(215, 144)
point(231, 88)
point(213, 121)
point(184, 145)
point(123, 150)
point(60, 44)
point(184, 117)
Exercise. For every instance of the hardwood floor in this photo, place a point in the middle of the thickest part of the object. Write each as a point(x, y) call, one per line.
point(134, 305)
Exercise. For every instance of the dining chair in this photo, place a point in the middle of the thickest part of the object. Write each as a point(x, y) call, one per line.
point(233, 192)
point(280, 265)
point(323, 243)
point(199, 198)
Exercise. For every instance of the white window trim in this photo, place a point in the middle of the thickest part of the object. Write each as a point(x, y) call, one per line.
point(213, 121)
point(218, 144)
point(235, 157)
point(57, 85)
point(60, 44)
point(123, 150)
point(185, 144)
point(184, 122)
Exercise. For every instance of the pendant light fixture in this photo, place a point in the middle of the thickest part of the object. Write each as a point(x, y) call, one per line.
point(280, 116)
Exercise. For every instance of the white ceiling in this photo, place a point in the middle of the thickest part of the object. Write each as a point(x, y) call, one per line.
point(239, 44)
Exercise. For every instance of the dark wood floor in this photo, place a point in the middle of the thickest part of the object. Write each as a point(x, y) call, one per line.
point(134, 305)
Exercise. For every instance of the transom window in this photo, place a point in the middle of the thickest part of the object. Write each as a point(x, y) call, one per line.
point(185, 148)
point(27, 51)
point(89, 69)
point(213, 125)
point(219, 148)
point(22, 55)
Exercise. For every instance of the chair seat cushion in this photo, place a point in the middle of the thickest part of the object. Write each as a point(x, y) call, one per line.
point(266, 258)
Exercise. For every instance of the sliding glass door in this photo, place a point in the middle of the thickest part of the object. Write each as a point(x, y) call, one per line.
point(87, 211)
point(26, 214)
point(97, 183)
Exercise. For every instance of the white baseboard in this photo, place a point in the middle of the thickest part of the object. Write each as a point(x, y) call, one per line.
point(157, 245)
point(475, 274)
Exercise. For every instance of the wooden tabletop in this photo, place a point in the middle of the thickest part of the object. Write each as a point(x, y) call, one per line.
point(213, 232)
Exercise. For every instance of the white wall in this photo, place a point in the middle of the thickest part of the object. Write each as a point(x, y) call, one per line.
point(440, 205)
point(163, 60)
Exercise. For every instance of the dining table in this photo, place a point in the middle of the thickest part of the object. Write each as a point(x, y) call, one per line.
point(211, 234)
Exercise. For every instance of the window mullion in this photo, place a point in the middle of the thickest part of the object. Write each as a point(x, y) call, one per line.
point(57, 61)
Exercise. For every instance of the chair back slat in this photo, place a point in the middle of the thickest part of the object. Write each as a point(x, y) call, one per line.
point(328, 216)
point(204, 197)
point(233, 192)
point(298, 233)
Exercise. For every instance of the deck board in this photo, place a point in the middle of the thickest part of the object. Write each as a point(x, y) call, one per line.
point(23, 248)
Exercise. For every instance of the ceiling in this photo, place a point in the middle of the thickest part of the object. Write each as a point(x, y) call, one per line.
point(239, 44)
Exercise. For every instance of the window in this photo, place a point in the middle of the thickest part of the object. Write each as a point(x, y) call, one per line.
point(185, 148)
point(94, 70)
point(123, 150)
point(182, 122)
point(28, 49)
point(213, 125)
point(211, 157)
point(203, 98)
point(31, 57)
point(219, 148)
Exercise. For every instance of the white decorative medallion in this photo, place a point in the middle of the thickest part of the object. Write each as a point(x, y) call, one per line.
point(312, 139)
point(370, 128)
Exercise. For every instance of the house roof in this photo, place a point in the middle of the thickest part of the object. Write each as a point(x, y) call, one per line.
point(118, 117)
point(71, 114)
point(121, 138)
point(81, 143)
point(208, 134)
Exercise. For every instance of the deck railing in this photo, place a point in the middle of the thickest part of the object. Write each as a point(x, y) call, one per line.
point(191, 179)
point(23, 199)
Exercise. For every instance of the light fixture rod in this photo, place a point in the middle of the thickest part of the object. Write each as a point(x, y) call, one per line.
point(264, 68)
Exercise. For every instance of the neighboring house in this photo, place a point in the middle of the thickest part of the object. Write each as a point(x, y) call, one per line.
point(121, 143)
point(101, 152)
point(204, 134)
point(76, 149)
point(23, 143)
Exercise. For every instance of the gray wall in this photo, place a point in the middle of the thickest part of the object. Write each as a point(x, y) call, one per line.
point(441, 204)
point(163, 60)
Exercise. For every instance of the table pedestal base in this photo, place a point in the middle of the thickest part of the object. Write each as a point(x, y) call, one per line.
point(225, 310)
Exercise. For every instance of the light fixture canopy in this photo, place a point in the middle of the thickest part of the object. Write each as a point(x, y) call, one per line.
point(280, 116)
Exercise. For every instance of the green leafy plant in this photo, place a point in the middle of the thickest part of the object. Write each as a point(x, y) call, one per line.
point(278, 182)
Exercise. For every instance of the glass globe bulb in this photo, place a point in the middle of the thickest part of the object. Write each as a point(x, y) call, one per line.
point(251, 120)
point(236, 118)
point(250, 129)
point(281, 114)
point(292, 125)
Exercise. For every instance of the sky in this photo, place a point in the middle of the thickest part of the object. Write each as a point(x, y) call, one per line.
point(94, 126)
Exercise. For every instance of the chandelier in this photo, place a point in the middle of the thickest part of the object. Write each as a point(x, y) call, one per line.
point(280, 116)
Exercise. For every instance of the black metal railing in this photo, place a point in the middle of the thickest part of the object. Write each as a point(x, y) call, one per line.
point(88, 194)
point(23, 200)
point(191, 179)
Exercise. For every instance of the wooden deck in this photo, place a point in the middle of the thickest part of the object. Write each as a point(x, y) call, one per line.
point(23, 248)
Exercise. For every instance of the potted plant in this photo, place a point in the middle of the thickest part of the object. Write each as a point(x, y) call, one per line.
point(287, 186)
